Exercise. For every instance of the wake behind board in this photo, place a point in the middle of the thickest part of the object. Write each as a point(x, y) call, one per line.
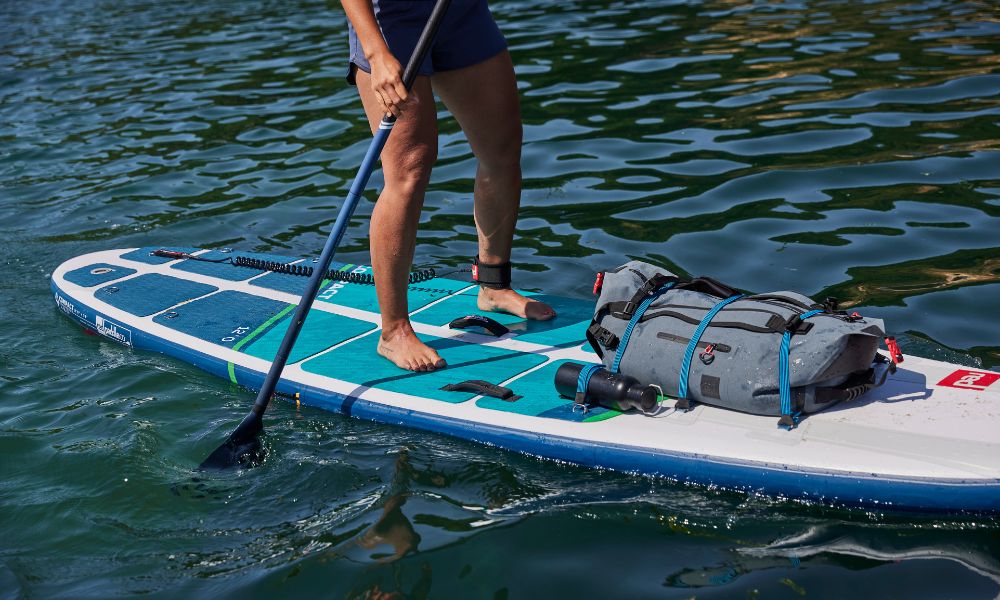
point(929, 439)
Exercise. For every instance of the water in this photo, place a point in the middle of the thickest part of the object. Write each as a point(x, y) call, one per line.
point(844, 148)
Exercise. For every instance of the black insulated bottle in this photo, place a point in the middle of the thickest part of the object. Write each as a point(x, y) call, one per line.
point(617, 392)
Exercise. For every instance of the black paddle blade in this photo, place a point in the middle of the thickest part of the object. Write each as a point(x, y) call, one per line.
point(242, 449)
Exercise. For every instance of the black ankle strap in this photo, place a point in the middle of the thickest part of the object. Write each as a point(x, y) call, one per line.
point(491, 276)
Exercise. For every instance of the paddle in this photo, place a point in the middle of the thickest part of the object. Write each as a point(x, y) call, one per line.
point(243, 445)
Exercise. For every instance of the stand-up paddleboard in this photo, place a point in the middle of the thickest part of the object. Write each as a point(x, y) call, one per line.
point(929, 439)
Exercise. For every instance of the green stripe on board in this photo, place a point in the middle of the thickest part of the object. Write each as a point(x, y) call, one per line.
point(255, 333)
point(604, 416)
point(614, 413)
point(262, 327)
point(230, 366)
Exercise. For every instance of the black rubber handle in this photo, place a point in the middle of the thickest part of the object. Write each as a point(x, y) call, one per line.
point(484, 388)
point(494, 327)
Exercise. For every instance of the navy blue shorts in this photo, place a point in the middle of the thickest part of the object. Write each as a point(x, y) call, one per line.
point(467, 36)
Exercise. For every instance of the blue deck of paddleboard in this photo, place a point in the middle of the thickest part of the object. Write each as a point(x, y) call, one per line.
point(540, 398)
point(566, 331)
point(256, 323)
point(321, 330)
point(145, 255)
point(360, 296)
point(151, 293)
point(221, 317)
point(465, 361)
point(97, 273)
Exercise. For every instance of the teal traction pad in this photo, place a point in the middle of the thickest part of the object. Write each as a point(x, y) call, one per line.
point(320, 331)
point(150, 293)
point(540, 399)
point(96, 274)
point(359, 362)
point(256, 325)
point(359, 295)
point(565, 331)
point(362, 296)
point(224, 318)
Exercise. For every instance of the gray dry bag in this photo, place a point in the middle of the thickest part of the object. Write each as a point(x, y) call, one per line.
point(778, 354)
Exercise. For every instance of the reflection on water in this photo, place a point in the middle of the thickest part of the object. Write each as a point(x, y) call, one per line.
point(842, 148)
point(392, 529)
point(844, 547)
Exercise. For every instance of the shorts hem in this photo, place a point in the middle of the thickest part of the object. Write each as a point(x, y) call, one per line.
point(352, 68)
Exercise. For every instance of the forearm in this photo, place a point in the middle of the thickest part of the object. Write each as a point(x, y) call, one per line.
point(362, 17)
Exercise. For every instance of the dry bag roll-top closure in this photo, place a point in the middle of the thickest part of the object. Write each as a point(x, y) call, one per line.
point(700, 340)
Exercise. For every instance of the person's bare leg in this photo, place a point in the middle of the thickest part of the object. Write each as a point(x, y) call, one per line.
point(484, 100)
point(407, 159)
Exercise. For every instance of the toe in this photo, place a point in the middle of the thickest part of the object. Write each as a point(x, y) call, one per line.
point(538, 311)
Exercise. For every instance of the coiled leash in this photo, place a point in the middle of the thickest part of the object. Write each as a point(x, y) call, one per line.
point(302, 270)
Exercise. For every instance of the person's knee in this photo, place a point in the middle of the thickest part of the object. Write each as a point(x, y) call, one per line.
point(410, 172)
point(502, 152)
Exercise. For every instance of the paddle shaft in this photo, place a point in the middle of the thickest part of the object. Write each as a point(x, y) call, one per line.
point(346, 212)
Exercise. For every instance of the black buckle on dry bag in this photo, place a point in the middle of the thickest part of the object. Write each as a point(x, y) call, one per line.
point(496, 277)
point(607, 339)
point(652, 284)
point(795, 325)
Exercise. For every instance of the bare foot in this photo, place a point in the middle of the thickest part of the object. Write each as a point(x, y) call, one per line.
point(406, 351)
point(509, 301)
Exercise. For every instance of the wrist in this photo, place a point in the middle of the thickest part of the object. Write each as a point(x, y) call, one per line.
point(378, 55)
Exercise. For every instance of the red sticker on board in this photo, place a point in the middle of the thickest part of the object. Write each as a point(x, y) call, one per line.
point(970, 380)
